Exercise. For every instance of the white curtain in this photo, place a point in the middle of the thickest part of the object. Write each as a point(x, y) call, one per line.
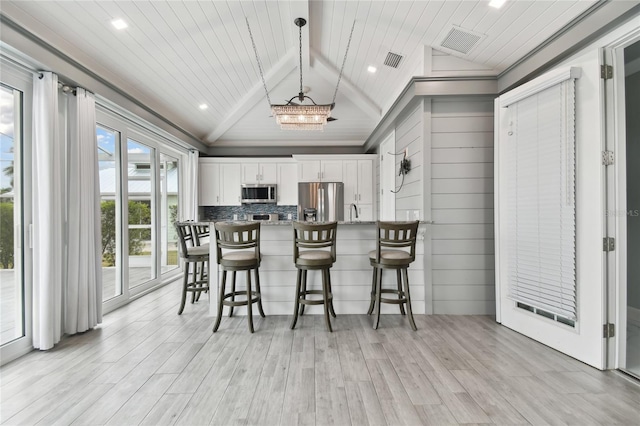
point(48, 213)
point(190, 178)
point(83, 307)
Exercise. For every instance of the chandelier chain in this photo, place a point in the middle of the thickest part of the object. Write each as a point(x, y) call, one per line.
point(255, 50)
point(333, 101)
point(300, 54)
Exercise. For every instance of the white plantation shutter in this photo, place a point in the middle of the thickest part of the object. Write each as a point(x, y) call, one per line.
point(541, 199)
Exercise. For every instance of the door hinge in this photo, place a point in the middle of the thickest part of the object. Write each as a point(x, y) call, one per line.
point(606, 72)
point(608, 244)
point(608, 158)
point(608, 330)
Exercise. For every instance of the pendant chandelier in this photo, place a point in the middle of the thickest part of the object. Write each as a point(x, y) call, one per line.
point(301, 116)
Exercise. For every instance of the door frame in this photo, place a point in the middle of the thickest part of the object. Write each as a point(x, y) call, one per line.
point(615, 122)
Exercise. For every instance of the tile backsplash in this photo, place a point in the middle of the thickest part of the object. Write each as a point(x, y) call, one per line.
point(227, 212)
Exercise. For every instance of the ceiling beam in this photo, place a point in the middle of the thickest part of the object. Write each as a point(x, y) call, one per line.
point(359, 99)
point(275, 75)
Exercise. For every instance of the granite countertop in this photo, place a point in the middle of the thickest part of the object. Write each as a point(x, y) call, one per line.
point(288, 222)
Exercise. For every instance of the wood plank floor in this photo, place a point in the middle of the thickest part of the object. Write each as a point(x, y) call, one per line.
point(147, 365)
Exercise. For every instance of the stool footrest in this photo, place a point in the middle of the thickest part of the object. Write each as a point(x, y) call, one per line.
point(255, 296)
point(394, 301)
point(313, 301)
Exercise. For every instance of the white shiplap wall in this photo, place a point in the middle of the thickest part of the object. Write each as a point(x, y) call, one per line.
point(463, 277)
point(410, 135)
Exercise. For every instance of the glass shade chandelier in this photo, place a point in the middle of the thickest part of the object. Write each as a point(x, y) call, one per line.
point(300, 116)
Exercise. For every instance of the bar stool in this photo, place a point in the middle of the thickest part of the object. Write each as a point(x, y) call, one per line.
point(391, 253)
point(192, 253)
point(201, 238)
point(309, 240)
point(238, 249)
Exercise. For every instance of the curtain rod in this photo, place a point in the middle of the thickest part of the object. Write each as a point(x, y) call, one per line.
point(21, 65)
point(61, 84)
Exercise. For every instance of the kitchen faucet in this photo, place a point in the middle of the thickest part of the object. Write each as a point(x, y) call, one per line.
point(350, 211)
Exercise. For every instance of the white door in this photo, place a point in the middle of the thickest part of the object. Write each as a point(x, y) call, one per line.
point(387, 178)
point(583, 339)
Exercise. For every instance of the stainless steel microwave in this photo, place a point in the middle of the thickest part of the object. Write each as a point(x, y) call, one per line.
point(258, 193)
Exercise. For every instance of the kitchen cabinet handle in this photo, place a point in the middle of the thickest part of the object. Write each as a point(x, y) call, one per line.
point(359, 197)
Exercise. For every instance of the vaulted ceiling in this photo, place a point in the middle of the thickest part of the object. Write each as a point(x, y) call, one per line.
point(177, 55)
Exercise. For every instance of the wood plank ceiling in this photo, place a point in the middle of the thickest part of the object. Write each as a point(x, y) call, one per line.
point(176, 55)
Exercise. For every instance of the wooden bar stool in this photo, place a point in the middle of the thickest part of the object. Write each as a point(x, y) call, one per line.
point(314, 247)
point(391, 253)
point(238, 249)
point(192, 254)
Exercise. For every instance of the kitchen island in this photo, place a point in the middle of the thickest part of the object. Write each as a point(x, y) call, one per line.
point(350, 276)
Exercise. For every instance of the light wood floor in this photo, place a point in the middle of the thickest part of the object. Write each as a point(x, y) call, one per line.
point(147, 365)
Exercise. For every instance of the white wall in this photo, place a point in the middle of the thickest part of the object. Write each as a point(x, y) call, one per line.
point(410, 137)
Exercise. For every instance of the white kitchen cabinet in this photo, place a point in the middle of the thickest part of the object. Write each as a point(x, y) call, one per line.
point(209, 184)
point(320, 171)
point(287, 184)
point(358, 181)
point(230, 182)
point(219, 183)
point(259, 173)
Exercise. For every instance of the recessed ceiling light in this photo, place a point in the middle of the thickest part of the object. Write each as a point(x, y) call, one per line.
point(497, 3)
point(119, 24)
point(204, 106)
point(372, 69)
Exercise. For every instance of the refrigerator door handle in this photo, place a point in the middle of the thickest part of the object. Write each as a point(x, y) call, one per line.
point(320, 204)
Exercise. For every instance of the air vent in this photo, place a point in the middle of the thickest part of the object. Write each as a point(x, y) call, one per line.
point(392, 60)
point(460, 40)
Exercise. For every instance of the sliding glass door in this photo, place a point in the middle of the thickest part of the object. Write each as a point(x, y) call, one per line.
point(16, 88)
point(141, 179)
point(139, 185)
point(108, 142)
point(169, 202)
point(11, 230)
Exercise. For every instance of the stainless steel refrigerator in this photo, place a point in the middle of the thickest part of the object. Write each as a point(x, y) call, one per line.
point(320, 201)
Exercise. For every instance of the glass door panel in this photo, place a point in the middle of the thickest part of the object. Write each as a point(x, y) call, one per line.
point(632, 107)
point(108, 164)
point(11, 232)
point(141, 203)
point(168, 212)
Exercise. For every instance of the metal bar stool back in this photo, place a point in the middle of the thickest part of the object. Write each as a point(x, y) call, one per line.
point(192, 254)
point(314, 247)
point(238, 249)
point(395, 249)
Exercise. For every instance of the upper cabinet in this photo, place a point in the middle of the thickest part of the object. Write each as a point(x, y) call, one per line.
point(287, 185)
point(322, 170)
point(259, 173)
point(218, 183)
